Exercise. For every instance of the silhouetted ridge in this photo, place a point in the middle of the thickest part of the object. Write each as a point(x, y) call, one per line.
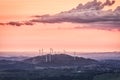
point(59, 60)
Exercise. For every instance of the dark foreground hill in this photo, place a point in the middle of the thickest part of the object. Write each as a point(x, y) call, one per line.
point(56, 60)
point(73, 68)
point(59, 60)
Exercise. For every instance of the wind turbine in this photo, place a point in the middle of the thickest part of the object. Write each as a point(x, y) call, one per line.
point(46, 56)
point(74, 56)
point(50, 56)
point(39, 52)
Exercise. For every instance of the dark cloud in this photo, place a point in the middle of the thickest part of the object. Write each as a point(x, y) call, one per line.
point(90, 13)
point(2, 24)
point(109, 3)
point(28, 23)
point(17, 23)
point(99, 26)
point(14, 23)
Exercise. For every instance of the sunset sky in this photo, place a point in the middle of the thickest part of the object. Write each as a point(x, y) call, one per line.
point(24, 25)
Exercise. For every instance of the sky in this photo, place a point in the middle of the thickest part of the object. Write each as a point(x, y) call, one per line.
point(73, 25)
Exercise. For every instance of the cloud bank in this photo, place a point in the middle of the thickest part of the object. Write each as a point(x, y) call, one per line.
point(88, 13)
point(91, 12)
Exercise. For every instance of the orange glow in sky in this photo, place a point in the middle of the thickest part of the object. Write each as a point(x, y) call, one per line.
point(58, 36)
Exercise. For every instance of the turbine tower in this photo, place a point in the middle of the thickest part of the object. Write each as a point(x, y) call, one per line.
point(64, 51)
point(74, 56)
point(39, 52)
point(46, 57)
point(42, 53)
point(50, 56)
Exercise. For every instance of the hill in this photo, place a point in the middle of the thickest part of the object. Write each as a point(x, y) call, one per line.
point(59, 60)
point(56, 60)
point(12, 65)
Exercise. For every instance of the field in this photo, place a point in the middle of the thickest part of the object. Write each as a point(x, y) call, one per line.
point(46, 74)
point(108, 76)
